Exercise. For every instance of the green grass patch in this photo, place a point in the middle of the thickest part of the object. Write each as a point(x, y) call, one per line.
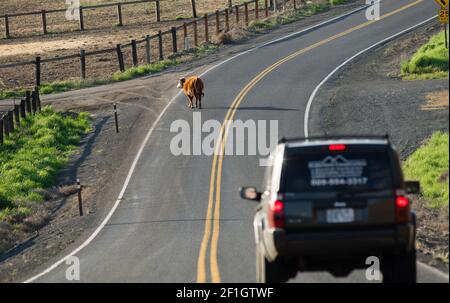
point(31, 157)
point(429, 164)
point(143, 70)
point(337, 2)
point(429, 62)
point(181, 17)
point(273, 22)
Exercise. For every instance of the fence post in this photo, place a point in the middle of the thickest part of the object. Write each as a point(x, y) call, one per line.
point(120, 57)
point(83, 63)
point(195, 33)
point(246, 13)
point(80, 199)
point(119, 15)
point(6, 124)
point(185, 37)
point(194, 9)
point(157, 11)
point(33, 102)
point(256, 10)
point(44, 22)
point(116, 118)
point(236, 9)
point(217, 22)
point(7, 34)
point(227, 21)
point(147, 49)
point(38, 71)
point(38, 98)
point(28, 101)
point(160, 45)
point(206, 28)
point(11, 120)
point(295, 4)
point(17, 114)
point(22, 109)
point(81, 18)
point(266, 8)
point(174, 40)
point(134, 53)
point(1, 131)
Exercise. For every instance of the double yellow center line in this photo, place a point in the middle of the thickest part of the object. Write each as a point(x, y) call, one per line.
point(212, 222)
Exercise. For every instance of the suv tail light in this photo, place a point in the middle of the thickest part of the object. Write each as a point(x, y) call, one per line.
point(337, 147)
point(276, 214)
point(402, 209)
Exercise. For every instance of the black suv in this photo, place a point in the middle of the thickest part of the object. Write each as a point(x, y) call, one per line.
point(329, 204)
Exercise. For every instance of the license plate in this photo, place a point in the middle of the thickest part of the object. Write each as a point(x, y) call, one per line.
point(340, 215)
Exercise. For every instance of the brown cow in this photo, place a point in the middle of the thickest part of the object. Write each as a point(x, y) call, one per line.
point(193, 88)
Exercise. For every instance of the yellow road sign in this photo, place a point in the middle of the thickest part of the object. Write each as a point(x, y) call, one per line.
point(442, 3)
point(443, 16)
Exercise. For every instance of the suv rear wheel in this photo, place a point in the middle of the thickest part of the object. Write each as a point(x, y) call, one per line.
point(400, 268)
point(278, 271)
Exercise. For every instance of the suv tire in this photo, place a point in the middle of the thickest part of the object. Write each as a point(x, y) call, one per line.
point(400, 268)
point(277, 271)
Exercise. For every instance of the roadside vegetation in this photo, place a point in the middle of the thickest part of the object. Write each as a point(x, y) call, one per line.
point(429, 62)
point(273, 22)
point(31, 157)
point(430, 165)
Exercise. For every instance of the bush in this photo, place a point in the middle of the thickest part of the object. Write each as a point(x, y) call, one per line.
point(429, 165)
point(431, 58)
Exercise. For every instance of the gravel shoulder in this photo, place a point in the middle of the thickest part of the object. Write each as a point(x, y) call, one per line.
point(369, 97)
point(105, 157)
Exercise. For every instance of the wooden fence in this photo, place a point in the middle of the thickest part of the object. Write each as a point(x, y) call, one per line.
point(44, 14)
point(163, 43)
point(12, 113)
point(179, 38)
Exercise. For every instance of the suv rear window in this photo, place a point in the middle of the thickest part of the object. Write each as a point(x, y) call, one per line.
point(314, 170)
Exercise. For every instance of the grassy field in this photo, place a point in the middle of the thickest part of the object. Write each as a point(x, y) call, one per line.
point(429, 62)
point(430, 165)
point(31, 157)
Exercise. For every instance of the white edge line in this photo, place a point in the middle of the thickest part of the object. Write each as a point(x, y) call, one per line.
point(314, 93)
point(147, 137)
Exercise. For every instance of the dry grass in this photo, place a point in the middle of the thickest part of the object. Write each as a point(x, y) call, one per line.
point(436, 101)
point(432, 230)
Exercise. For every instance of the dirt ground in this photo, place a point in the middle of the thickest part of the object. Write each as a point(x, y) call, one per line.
point(65, 38)
point(409, 111)
point(135, 14)
point(105, 157)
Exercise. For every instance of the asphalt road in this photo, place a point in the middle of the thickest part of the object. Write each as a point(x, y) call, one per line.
point(157, 232)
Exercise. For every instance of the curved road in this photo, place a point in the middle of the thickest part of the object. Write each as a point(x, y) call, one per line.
point(179, 219)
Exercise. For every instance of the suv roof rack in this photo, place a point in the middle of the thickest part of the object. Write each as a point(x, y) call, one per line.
point(336, 137)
